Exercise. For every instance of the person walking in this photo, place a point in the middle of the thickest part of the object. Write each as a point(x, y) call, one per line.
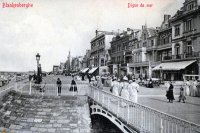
point(187, 88)
point(115, 87)
point(99, 83)
point(121, 84)
point(182, 95)
point(194, 88)
point(133, 91)
point(59, 84)
point(170, 93)
point(73, 86)
point(124, 92)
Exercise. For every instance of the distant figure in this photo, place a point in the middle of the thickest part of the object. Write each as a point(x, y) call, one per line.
point(59, 84)
point(124, 92)
point(121, 84)
point(170, 93)
point(150, 84)
point(115, 87)
point(194, 88)
point(73, 86)
point(89, 78)
point(133, 91)
point(99, 83)
point(182, 95)
point(83, 77)
point(187, 88)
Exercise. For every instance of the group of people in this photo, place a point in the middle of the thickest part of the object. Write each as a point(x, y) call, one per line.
point(73, 86)
point(191, 88)
point(127, 89)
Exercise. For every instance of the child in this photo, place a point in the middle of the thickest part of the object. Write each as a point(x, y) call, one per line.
point(182, 95)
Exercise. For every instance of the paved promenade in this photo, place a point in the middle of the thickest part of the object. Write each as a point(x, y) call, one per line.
point(156, 99)
point(28, 114)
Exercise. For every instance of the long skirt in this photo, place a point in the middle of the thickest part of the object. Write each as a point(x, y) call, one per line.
point(170, 95)
point(73, 88)
point(187, 90)
point(115, 91)
point(125, 95)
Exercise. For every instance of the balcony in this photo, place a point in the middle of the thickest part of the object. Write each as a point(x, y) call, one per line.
point(128, 53)
point(164, 46)
point(167, 58)
point(150, 48)
point(182, 56)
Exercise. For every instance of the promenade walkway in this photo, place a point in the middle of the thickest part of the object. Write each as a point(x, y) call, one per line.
point(28, 114)
point(155, 98)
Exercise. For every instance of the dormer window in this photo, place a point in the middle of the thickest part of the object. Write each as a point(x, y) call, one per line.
point(190, 6)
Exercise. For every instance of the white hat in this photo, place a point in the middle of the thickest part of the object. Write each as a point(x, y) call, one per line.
point(125, 78)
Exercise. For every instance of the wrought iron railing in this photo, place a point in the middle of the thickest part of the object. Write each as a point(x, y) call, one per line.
point(137, 116)
point(142, 118)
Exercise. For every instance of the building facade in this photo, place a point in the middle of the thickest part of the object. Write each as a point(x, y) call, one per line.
point(99, 55)
point(144, 52)
point(185, 48)
point(118, 63)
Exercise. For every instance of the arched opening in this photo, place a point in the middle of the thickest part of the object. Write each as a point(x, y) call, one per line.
point(101, 124)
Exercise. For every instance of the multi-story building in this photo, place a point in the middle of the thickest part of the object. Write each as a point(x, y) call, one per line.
point(119, 45)
point(55, 69)
point(164, 45)
point(76, 64)
point(86, 59)
point(99, 55)
point(185, 54)
point(143, 44)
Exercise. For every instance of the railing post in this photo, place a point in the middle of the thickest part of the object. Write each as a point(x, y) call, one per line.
point(128, 115)
point(141, 124)
point(103, 98)
point(161, 126)
point(118, 102)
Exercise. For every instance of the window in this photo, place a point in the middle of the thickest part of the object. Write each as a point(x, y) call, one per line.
point(152, 42)
point(177, 50)
point(177, 30)
point(188, 25)
point(118, 48)
point(102, 62)
point(190, 6)
point(189, 48)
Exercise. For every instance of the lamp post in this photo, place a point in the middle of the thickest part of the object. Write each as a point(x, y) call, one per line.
point(38, 69)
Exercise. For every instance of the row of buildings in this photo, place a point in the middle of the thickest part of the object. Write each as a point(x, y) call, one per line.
point(166, 52)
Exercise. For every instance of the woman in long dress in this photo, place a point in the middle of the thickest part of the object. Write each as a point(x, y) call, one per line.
point(124, 92)
point(99, 83)
point(187, 88)
point(115, 87)
point(133, 91)
point(194, 88)
point(170, 93)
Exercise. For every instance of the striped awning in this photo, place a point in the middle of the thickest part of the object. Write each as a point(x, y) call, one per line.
point(93, 70)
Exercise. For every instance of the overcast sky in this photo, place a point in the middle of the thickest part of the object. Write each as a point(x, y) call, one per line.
point(53, 27)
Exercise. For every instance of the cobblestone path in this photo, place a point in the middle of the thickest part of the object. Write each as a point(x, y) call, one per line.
point(28, 114)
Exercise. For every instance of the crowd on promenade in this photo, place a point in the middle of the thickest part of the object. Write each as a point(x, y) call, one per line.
point(127, 89)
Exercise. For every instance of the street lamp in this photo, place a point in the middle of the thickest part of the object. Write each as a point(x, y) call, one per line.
point(38, 79)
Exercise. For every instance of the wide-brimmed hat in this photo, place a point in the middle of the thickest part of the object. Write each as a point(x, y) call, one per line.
point(125, 78)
